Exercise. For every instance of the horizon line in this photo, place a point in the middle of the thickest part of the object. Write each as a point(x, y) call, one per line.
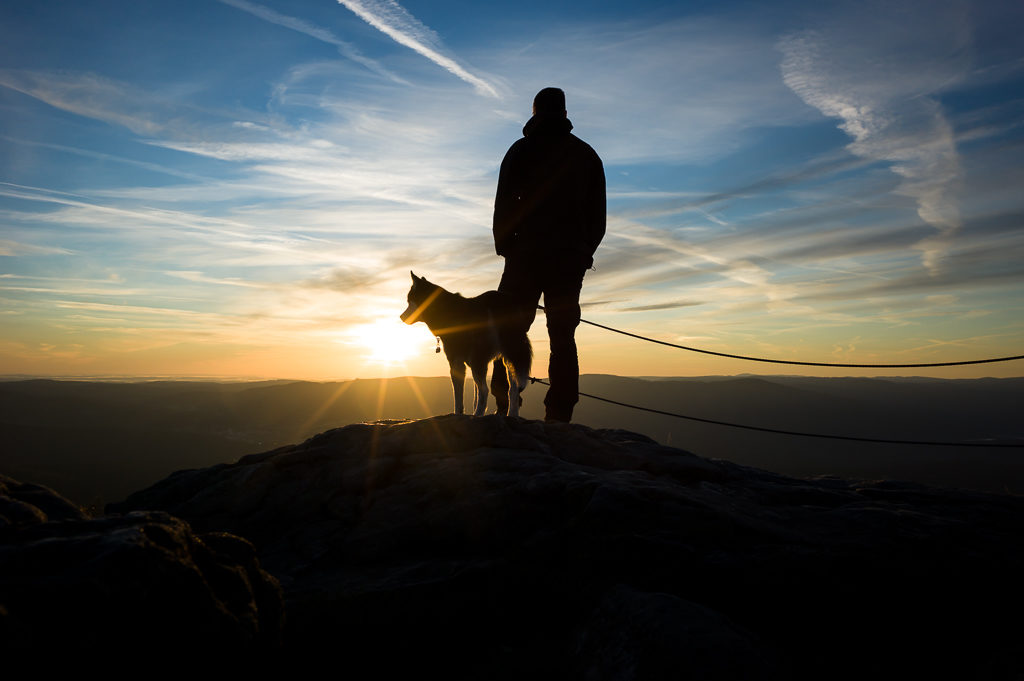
point(172, 378)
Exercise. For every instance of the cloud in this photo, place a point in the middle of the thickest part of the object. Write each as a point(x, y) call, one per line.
point(676, 90)
point(308, 152)
point(155, 167)
point(347, 49)
point(816, 170)
point(347, 279)
point(199, 277)
point(877, 71)
point(78, 290)
point(390, 18)
point(15, 248)
point(966, 271)
point(83, 211)
point(94, 96)
point(660, 306)
point(739, 270)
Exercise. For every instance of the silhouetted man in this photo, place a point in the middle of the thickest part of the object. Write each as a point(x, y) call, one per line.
point(549, 217)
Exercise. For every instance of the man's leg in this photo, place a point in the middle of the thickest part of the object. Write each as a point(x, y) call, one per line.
point(499, 386)
point(562, 308)
point(520, 282)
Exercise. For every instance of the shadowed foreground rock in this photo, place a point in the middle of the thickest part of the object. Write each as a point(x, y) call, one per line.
point(503, 548)
point(141, 583)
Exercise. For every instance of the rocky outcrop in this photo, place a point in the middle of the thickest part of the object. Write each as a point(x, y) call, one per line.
point(141, 583)
point(504, 548)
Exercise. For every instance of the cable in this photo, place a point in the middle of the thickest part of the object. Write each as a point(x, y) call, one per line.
point(792, 432)
point(789, 361)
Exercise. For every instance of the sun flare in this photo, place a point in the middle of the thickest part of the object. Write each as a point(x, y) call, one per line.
point(390, 341)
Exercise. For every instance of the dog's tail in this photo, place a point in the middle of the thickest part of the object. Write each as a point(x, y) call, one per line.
point(518, 359)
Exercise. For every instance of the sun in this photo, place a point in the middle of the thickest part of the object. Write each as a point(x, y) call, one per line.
point(390, 341)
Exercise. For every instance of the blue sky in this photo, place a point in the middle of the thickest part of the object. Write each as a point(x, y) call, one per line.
point(233, 188)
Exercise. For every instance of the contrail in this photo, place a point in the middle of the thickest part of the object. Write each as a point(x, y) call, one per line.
point(322, 34)
point(390, 18)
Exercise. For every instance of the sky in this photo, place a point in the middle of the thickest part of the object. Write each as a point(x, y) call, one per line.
point(239, 189)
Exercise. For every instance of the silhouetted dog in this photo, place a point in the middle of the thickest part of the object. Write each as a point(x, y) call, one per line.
point(474, 332)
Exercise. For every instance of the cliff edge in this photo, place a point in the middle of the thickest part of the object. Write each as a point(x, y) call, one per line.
point(505, 548)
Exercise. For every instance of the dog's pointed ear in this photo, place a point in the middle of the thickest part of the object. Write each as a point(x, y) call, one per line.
point(413, 275)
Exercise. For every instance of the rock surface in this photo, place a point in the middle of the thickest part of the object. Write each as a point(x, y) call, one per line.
point(504, 548)
point(141, 583)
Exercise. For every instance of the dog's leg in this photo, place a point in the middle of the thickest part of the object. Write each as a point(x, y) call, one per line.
point(523, 369)
point(480, 379)
point(458, 372)
point(514, 401)
point(518, 358)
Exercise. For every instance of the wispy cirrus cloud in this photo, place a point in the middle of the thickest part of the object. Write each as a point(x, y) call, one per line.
point(11, 248)
point(88, 153)
point(880, 81)
point(393, 20)
point(201, 278)
point(671, 305)
point(83, 94)
point(144, 111)
point(657, 206)
point(102, 98)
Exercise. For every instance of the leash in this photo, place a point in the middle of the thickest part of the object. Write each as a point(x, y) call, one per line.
point(800, 363)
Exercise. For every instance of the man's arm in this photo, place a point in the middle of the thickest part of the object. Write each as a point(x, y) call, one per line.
point(505, 206)
point(598, 205)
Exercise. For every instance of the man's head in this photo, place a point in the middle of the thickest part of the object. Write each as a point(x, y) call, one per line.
point(549, 102)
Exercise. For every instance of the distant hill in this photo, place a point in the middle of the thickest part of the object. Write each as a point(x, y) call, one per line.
point(98, 442)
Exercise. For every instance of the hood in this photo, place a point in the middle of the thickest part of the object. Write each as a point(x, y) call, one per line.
point(542, 124)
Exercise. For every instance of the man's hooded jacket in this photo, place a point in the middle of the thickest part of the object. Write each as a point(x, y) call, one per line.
point(551, 194)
